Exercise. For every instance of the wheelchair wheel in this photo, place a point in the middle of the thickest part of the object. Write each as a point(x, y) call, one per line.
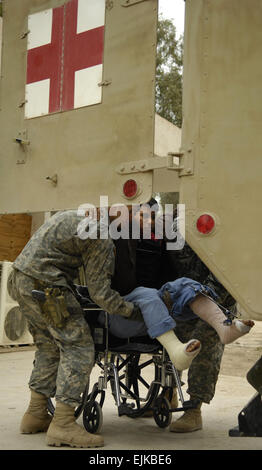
point(50, 406)
point(138, 391)
point(161, 413)
point(92, 417)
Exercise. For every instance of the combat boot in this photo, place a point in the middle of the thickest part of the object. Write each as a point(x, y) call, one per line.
point(190, 421)
point(173, 402)
point(65, 431)
point(36, 418)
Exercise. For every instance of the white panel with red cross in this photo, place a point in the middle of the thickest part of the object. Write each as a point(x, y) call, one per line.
point(65, 57)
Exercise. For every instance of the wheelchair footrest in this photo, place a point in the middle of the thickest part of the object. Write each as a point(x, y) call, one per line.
point(187, 405)
point(126, 410)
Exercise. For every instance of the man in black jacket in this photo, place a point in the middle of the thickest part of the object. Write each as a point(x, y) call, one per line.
point(148, 263)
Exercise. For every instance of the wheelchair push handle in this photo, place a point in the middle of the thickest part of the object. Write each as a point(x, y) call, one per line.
point(39, 295)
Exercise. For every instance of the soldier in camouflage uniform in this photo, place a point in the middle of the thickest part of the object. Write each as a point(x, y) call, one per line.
point(65, 350)
point(204, 370)
point(151, 265)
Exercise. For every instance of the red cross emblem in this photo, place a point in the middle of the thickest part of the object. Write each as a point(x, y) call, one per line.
point(65, 57)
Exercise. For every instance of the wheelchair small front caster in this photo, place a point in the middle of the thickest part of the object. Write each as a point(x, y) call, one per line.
point(92, 417)
point(161, 413)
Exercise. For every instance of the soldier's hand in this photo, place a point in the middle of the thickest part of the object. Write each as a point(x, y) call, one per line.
point(136, 314)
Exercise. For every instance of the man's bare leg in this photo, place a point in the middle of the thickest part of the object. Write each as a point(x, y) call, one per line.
point(193, 346)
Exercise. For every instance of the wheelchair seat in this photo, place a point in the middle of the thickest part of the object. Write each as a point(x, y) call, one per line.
point(103, 339)
point(122, 367)
point(83, 297)
point(140, 345)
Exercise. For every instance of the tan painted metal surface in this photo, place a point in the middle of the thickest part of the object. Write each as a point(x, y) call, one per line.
point(167, 139)
point(79, 149)
point(222, 125)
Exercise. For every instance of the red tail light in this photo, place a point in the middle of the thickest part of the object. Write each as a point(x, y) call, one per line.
point(130, 188)
point(205, 224)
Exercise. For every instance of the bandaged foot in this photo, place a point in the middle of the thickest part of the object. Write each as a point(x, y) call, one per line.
point(181, 355)
point(208, 311)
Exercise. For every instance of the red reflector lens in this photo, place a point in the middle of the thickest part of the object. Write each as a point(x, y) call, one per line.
point(130, 188)
point(205, 224)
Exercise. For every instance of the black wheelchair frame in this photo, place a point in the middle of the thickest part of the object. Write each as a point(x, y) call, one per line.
point(122, 363)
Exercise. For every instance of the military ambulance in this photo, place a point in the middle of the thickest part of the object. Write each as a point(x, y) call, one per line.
point(77, 121)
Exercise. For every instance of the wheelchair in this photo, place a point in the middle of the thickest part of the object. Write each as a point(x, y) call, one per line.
point(122, 363)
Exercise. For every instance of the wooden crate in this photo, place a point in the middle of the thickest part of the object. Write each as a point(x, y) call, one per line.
point(15, 231)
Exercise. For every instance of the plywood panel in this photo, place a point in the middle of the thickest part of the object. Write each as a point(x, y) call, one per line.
point(15, 231)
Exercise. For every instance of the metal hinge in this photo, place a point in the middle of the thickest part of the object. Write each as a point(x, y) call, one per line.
point(24, 34)
point(105, 83)
point(184, 168)
point(129, 3)
point(53, 179)
point(21, 138)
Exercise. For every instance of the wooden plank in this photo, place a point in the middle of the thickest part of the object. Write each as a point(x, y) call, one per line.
point(15, 231)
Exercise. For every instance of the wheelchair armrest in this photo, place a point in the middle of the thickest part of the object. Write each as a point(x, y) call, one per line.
point(38, 295)
point(82, 295)
point(90, 306)
point(81, 290)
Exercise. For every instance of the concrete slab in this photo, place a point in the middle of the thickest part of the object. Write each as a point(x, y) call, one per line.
point(232, 394)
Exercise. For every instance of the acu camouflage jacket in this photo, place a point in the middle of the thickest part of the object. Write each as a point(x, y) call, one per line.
point(55, 253)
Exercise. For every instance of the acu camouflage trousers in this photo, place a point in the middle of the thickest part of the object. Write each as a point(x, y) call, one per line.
point(204, 369)
point(64, 356)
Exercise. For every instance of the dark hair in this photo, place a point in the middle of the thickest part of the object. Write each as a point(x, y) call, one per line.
point(152, 202)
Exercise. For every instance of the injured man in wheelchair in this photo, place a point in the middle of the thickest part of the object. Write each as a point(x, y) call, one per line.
point(185, 299)
point(182, 299)
point(138, 301)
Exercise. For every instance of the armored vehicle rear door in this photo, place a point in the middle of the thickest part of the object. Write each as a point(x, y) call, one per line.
point(77, 101)
point(222, 142)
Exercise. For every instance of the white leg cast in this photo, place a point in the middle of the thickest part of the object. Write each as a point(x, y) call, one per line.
point(177, 351)
point(208, 311)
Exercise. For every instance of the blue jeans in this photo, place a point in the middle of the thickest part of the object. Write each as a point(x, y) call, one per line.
point(157, 319)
